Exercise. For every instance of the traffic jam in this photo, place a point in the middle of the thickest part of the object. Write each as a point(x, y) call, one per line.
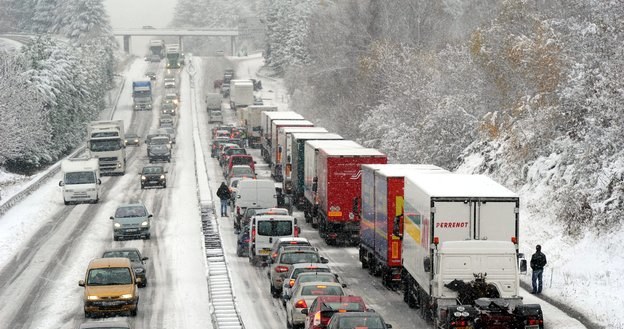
point(420, 230)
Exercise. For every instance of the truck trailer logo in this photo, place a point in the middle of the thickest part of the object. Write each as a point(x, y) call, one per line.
point(357, 175)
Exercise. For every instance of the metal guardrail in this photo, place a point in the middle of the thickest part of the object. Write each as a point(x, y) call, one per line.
point(224, 311)
point(52, 170)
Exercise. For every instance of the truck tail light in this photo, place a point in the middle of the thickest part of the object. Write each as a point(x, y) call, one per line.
point(253, 234)
point(459, 323)
point(514, 240)
point(436, 240)
point(301, 304)
point(281, 269)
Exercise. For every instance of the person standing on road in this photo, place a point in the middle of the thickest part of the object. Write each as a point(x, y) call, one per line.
point(224, 194)
point(538, 261)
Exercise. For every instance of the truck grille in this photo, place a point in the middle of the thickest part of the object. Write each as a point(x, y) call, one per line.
point(108, 159)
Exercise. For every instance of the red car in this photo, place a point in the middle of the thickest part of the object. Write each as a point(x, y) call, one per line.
point(323, 307)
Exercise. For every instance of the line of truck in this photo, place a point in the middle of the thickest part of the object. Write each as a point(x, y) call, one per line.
point(449, 242)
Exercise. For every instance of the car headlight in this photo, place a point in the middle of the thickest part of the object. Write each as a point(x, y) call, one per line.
point(117, 225)
point(162, 176)
point(143, 178)
point(91, 297)
point(139, 270)
point(126, 296)
point(136, 140)
point(145, 223)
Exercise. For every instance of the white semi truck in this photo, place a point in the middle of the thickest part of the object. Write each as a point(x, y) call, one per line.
point(241, 93)
point(461, 264)
point(81, 180)
point(106, 141)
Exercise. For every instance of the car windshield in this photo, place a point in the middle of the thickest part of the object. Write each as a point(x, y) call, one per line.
point(299, 257)
point(298, 271)
point(132, 255)
point(275, 227)
point(131, 136)
point(159, 148)
point(127, 212)
point(82, 177)
point(239, 171)
point(317, 278)
point(242, 160)
point(159, 141)
point(109, 276)
point(368, 322)
point(321, 290)
point(347, 306)
point(152, 170)
point(237, 151)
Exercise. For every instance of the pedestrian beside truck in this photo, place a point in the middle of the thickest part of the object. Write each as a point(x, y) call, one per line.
point(224, 195)
point(538, 261)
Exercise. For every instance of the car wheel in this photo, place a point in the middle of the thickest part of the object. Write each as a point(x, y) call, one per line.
point(148, 236)
point(66, 202)
point(88, 315)
point(142, 186)
point(135, 311)
point(288, 323)
point(116, 238)
point(143, 283)
point(165, 185)
point(169, 160)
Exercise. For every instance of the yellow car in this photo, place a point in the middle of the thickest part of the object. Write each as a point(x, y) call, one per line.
point(110, 287)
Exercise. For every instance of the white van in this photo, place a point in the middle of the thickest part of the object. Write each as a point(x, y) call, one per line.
point(264, 230)
point(81, 180)
point(257, 193)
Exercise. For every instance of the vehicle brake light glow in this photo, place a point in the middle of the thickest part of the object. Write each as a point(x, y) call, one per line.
point(514, 240)
point(281, 269)
point(301, 304)
point(317, 319)
point(436, 240)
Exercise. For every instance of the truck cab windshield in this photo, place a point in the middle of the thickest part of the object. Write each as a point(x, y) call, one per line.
point(105, 145)
point(83, 177)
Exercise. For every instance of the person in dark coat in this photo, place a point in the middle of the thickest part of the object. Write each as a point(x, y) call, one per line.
point(538, 261)
point(224, 195)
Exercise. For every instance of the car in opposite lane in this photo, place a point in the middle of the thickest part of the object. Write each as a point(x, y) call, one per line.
point(136, 259)
point(110, 288)
point(153, 176)
point(132, 139)
point(131, 220)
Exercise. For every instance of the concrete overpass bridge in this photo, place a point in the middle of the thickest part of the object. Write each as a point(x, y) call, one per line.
point(127, 34)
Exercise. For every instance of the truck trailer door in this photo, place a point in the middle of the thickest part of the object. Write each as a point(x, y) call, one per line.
point(452, 221)
point(497, 220)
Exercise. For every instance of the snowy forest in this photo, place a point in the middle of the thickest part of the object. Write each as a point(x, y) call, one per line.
point(529, 87)
point(55, 84)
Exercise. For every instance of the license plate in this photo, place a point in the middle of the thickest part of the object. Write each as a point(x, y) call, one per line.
point(132, 230)
point(265, 252)
point(109, 303)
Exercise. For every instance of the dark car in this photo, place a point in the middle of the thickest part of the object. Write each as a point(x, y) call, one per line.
point(159, 152)
point(168, 108)
point(153, 176)
point(133, 139)
point(350, 320)
point(242, 243)
point(134, 255)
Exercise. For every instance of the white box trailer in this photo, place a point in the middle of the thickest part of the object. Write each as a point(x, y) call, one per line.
point(81, 180)
point(241, 93)
point(274, 152)
point(267, 119)
point(251, 119)
point(456, 226)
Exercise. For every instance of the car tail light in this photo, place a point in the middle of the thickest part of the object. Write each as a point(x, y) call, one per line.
point(301, 304)
point(253, 234)
point(281, 269)
point(317, 319)
point(535, 322)
point(459, 323)
point(291, 283)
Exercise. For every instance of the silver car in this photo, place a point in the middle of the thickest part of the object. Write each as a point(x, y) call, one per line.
point(303, 295)
point(131, 221)
point(287, 256)
point(134, 255)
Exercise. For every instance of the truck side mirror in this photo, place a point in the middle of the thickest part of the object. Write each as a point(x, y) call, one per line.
point(427, 264)
point(112, 218)
point(396, 229)
point(523, 266)
point(61, 183)
point(99, 181)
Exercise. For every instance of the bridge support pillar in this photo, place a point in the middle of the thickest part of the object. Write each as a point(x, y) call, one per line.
point(126, 43)
point(233, 45)
point(180, 43)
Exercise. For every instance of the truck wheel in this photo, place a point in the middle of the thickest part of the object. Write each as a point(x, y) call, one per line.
point(363, 259)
